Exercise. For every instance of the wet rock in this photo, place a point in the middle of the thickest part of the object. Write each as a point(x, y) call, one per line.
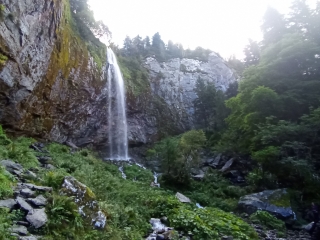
point(86, 201)
point(308, 226)
point(215, 163)
point(227, 165)
point(21, 230)
point(276, 202)
point(160, 237)
point(182, 198)
point(8, 203)
point(23, 204)
point(37, 217)
point(11, 166)
point(38, 201)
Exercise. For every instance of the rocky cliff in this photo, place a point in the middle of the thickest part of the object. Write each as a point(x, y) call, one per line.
point(51, 87)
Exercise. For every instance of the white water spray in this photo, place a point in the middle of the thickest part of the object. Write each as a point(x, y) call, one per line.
point(117, 120)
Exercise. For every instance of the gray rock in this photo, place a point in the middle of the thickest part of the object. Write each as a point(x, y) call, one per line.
point(85, 199)
point(308, 226)
point(199, 176)
point(35, 187)
point(11, 166)
point(227, 165)
point(30, 174)
point(182, 198)
point(8, 203)
point(21, 230)
point(37, 217)
point(267, 201)
point(49, 166)
point(38, 201)
point(22, 223)
point(23, 204)
point(44, 159)
point(29, 238)
point(26, 192)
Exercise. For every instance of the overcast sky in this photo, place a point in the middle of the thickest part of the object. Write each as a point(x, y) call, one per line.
point(223, 26)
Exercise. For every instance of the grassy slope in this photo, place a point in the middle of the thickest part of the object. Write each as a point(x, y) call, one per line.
point(128, 204)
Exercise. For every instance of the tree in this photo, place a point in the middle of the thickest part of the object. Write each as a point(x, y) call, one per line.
point(273, 27)
point(85, 19)
point(179, 155)
point(158, 47)
point(252, 53)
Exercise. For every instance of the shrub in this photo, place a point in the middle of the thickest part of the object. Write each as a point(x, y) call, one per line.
point(211, 223)
point(270, 222)
point(63, 216)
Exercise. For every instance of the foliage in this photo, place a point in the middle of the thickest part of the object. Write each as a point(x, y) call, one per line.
point(5, 223)
point(210, 223)
point(3, 58)
point(178, 155)
point(63, 216)
point(210, 110)
point(6, 183)
point(268, 221)
point(136, 173)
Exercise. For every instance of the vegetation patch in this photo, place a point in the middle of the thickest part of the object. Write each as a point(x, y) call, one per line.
point(269, 222)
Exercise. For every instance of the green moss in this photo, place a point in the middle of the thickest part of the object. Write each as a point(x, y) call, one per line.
point(3, 60)
point(280, 198)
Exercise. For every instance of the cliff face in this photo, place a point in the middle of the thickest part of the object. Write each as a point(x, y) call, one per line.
point(51, 87)
point(168, 106)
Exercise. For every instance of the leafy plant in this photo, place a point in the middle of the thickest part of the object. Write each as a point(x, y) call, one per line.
point(211, 223)
point(270, 222)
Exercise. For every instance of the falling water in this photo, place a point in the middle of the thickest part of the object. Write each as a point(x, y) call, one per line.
point(117, 120)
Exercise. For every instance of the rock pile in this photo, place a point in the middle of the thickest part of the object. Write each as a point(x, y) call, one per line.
point(29, 199)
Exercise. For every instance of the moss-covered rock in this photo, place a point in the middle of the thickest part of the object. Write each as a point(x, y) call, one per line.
point(86, 201)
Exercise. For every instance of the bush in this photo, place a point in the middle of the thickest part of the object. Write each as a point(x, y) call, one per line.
point(63, 216)
point(270, 222)
point(210, 223)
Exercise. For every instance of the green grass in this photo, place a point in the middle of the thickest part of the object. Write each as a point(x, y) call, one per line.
point(128, 203)
point(6, 183)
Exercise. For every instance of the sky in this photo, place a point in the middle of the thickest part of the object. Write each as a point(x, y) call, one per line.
point(223, 26)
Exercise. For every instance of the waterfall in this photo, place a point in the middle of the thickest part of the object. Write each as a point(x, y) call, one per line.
point(117, 120)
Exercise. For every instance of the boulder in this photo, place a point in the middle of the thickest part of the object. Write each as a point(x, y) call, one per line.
point(86, 201)
point(215, 163)
point(37, 217)
point(21, 230)
point(8, 203)
point(199, 176)
point(38, 201)
point(276, 202)
point(26, 192)
point(227, 165)
point(29, 238)
point(11, 166)
point(182, 198)
point(23, 204)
